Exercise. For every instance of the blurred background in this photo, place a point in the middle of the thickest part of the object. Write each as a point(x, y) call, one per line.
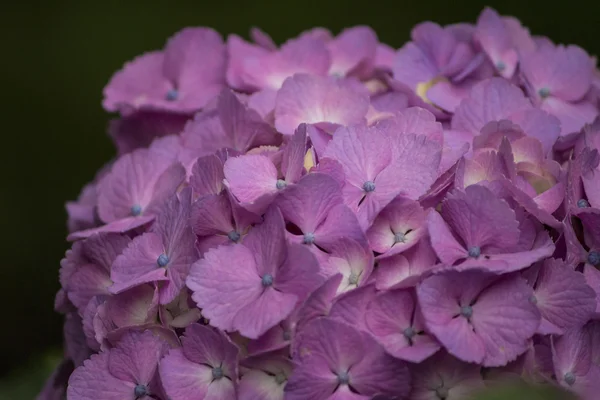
point(56, 57)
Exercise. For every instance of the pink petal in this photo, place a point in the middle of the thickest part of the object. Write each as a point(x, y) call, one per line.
point(92, 381)
point(251, 179)
point(221, 291)
point(313, 99)
point(490, 100)
point(505, 319)
point(353, 51)
point(397, 228)
point(562, 295)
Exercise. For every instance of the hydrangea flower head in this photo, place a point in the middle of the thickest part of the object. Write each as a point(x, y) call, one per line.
point(334, 218)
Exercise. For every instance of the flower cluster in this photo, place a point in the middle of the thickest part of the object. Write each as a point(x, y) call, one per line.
point(336, 219)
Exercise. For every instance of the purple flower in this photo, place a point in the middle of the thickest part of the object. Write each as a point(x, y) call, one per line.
point(494, 35)
point(574, 355)
point(182, 79)
point(334, 360)
point(218, 220)
point(232, 125)
point(128, 371)
point(562, 296)
point(85, 271)
point(466, 312)
point(164, 254)
point(435, 65)
point(205, 367)
point(398, 227)
point(255, 180)
point(319, 219)
point(396, 323)
point(380, 165)
point(497, 99)
point(406, 269)
point(268, 278)
point(351, 259)
point(130, 195)
point(478, 230)
point(557, 79)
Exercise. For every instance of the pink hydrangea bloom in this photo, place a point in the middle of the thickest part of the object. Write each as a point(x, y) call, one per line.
point(335, 218)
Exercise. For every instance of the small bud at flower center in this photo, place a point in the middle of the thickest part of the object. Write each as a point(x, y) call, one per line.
point(136, 210)
point(172, 95)
point(234, 236)
point(569, 378)
point(466, 311)
point(267, 280)
point(309, 238)
point(594, 258)
point(281, 184)
point(474, 252)
point(582, 203)
point(343, 378)
point(140, 391)
point(217, 373)
point(399, 238)
point(369, 186)
point(163, 260)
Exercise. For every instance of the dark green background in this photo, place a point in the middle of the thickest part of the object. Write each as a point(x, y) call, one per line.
point(54, 61)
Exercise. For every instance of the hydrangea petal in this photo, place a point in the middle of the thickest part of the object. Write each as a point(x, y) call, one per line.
point(313, 99)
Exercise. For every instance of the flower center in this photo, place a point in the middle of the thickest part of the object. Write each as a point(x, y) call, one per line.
point(569, 378)
point(309, 238)
point(162, 260)
point(172, 95)
point(281, 184)
point(140, 391)
point(500, 66)
point(136, 210)
point(582, 203)
point(594, 258)
point(409, 332)
point(544, 92)
point(234, 236)
point(399, 238)
point(343, 378)
point(267, 280)
point(474, 252)
point(369, 186)
point(217, 373)
point(466, 311)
